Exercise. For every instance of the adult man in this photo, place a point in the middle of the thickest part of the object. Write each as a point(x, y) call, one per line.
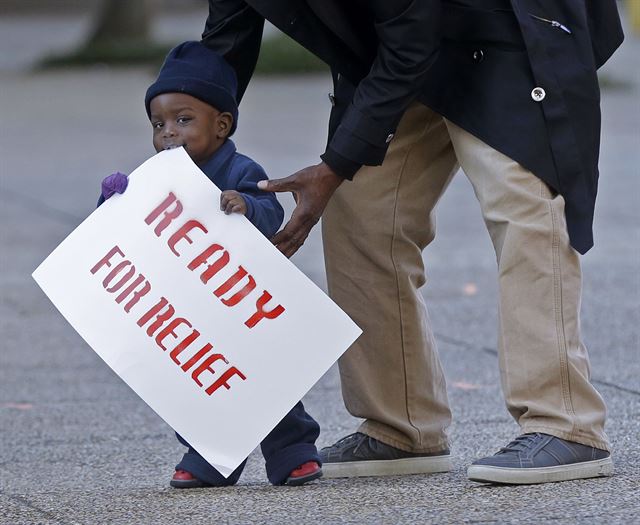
point(507, 89)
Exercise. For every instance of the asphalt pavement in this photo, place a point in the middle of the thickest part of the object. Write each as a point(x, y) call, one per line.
point(78, 446)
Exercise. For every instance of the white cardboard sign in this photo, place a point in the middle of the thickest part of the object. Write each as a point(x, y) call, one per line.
point(195, 310)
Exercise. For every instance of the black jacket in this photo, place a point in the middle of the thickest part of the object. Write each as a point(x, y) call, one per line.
point(474, 61)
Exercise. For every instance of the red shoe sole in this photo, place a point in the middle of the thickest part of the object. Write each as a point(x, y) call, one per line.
point(307, 472)
point(188, 481)
point(190, 484)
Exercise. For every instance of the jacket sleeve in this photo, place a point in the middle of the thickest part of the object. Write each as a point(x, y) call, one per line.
point(234, 30)
point(408, 38)
point(263, 209)
point(605, 29)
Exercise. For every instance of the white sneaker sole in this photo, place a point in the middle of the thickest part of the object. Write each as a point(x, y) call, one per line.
point(388, 467)
point(529, 476)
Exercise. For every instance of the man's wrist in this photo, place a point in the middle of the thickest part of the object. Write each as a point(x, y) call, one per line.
point(345, 168)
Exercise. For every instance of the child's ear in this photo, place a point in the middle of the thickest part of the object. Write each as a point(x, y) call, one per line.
point(223, 124)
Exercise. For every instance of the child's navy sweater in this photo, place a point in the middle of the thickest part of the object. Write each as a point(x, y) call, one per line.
point(230, 170)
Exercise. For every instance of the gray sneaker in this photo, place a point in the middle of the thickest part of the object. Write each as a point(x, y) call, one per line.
point(360, 455)
point(541, 458)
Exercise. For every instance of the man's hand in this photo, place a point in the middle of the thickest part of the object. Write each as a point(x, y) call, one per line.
point(312, 188)
point(232, 202)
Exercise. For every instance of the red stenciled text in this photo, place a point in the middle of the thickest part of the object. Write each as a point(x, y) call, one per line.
point(209, 262)
point(173, 334)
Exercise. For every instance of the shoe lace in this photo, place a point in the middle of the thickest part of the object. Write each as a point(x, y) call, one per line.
point(520, 443)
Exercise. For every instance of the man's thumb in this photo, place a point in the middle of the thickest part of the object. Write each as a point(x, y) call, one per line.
point(275, 184)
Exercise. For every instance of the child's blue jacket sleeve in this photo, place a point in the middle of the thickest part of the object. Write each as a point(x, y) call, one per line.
point(263, 209)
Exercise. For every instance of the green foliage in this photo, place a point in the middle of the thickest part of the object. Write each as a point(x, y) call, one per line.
point(613, 83)
point(278, 55)
point(123, 54)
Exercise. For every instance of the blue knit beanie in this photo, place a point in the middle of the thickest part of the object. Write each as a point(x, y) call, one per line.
point(196, 70)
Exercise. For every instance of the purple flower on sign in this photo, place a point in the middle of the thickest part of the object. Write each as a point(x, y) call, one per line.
point(114, 183)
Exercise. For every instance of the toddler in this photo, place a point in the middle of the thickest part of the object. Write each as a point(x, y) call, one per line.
point(192, 104)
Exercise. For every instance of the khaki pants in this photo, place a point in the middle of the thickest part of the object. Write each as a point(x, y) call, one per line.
point(374, 231)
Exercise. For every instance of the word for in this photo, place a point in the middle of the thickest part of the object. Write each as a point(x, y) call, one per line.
point(171, 208)
point(162, 325)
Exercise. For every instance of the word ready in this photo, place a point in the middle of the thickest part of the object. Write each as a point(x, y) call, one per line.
point(211, 261)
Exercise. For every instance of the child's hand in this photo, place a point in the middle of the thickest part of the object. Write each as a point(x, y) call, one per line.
point(232, 202)
point(116, 182)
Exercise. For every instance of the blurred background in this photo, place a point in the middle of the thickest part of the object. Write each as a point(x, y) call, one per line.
point(121, 32)
point(74, 438)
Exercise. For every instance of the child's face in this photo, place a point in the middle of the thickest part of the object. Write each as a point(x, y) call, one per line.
point(179, 119)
